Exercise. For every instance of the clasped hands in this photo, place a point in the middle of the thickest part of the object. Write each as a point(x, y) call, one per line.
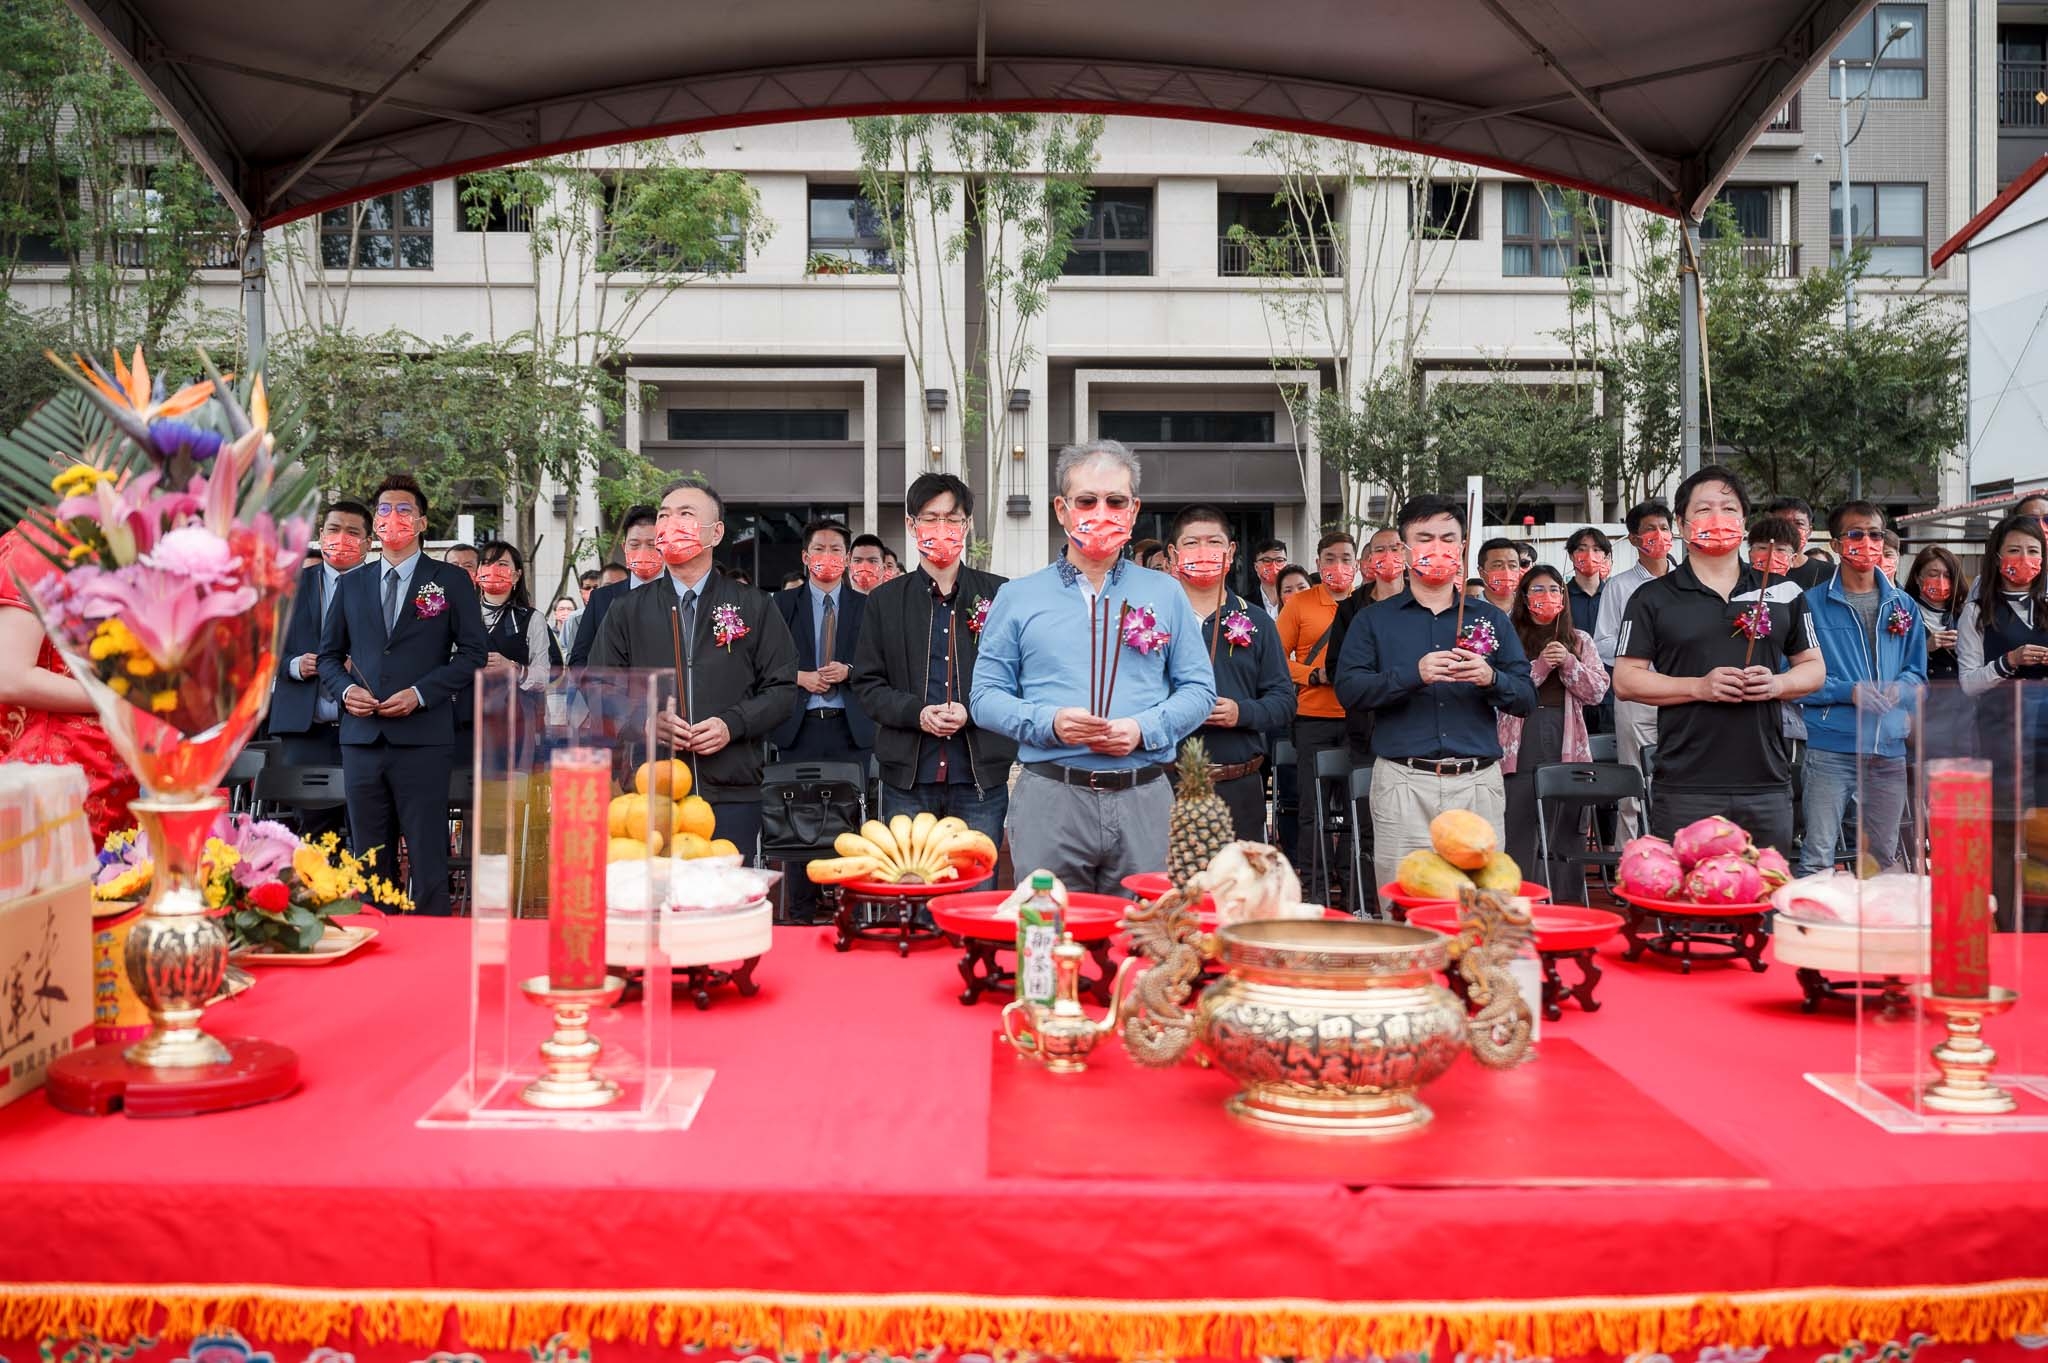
point(824, 679)
point(1731, 685)
point(1455, 665)
point(703, 738)
point(358, 701)
point(943, 721)
point(1110, 737)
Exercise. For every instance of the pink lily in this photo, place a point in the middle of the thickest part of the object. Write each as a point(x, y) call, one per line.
point(163, 610)
point(128, 514)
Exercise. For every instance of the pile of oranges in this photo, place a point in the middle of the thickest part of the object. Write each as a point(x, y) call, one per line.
point(663, 817)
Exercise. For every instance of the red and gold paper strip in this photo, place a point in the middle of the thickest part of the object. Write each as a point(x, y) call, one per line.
point(581, 781)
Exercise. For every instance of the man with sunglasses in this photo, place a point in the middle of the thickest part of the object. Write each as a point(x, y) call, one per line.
point(404, 638)
point(308, 722)
point(1874, 642)
point(1098, 669)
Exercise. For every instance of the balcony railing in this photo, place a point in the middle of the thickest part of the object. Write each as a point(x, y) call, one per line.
point(216, 251)
point(1239, 256)
point(1787, 120)
point(2020, 87)
point(1780, 260)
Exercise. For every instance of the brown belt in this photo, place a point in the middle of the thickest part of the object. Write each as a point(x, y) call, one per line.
point(1232, 771)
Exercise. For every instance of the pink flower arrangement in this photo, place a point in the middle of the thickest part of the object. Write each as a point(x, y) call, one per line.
point(264, 847)
point(1237, 629)
point(727, 627)
point(1755, 621)
point(429, 601)
point(1479, 639)
point(1142, 632)
point(1900, 621)
point(977, 619)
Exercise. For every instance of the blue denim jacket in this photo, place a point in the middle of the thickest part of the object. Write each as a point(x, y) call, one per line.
point(1832, 723)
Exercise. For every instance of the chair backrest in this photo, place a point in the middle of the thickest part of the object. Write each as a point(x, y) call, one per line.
point(461, 786)
point(247, 763)
point(1283, 752)
point(1589, 783)
point(1333, 764)
point(1606, 747)
point(300, 787)
point(1361, 783)
point(1646, 758)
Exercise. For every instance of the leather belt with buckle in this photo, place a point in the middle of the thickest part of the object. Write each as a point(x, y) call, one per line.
point(1448, 766)
point(1233, 770)
point(1089, 779)
point(822, 713)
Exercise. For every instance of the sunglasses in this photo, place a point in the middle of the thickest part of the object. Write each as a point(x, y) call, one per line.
point(1088, 501)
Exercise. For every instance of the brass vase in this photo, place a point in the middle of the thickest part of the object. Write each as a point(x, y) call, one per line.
point(177, 953)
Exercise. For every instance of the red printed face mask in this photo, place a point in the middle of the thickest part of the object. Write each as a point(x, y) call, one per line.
point(1543, 609)
point(1436, 566)
point(1503, 581)
point(1654, 544)
point(399, 529)
point(681, 541)
point(1863, 553)
point(941, 545)
point(1590, 563)
point(1101, 532)
point(342, 548)
point(1387, 565)
point(826, 566)
point(866, 576)
point(1714, 533)
point(1203, 567)
point(1774, 559)
point(1269, 573)
point(2019, 570)
point(644, 564)
point(1338, 577)
point(494, 578)
point(1935, 589)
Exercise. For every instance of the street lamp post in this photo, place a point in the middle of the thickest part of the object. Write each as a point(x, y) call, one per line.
point(1896, 32)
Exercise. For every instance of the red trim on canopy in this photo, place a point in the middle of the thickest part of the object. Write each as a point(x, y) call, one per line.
point(1991, 210)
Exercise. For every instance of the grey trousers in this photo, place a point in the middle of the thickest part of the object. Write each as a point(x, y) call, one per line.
point(1635, 728)
point(1090, 839)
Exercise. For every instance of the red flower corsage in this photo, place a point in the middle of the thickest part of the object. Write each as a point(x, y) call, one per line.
point(429, 601)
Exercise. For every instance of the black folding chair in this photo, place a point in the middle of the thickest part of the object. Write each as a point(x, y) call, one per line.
point(804, 807)
point(1364, 900)
point(295, 790)
point(241, 777)
point(1286, 803)
point(1333, 775)
point(1646, 758)
point(1606, 747)
point(1565, 791)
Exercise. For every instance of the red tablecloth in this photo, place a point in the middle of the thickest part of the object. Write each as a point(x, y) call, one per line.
point(837, 1178)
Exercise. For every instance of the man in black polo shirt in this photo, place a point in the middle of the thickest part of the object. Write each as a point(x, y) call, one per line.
point(1254, 693)
point(1721, 744)
point(1433, 688)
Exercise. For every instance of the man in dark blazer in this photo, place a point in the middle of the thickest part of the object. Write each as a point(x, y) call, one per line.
point(307, 721)
point(640, 547)
point(732, 655)
point(406, 635)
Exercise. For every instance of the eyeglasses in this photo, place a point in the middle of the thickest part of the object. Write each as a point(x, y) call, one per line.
point(828, 553)
point(1857, 536)
point(1088, 501)
point(932, 520)
point(1272, 558)
point(1546, 590)
point(398, 511)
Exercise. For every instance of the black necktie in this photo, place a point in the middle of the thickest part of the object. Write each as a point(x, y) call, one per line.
point(689, 624)
point(390, 599)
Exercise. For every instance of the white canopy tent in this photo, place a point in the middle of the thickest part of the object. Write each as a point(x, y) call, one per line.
point(295, 108)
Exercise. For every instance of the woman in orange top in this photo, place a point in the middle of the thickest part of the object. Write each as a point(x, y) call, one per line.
point(44, 713)
point(1306, 621)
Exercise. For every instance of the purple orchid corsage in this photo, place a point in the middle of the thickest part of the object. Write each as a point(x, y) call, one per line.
point(1900, 621)
point(1142, 632)
point(430, 601)
point(978, 617)
point(1237, 629)
point(1755, 621)
point(1479, 639)
point(726, 626)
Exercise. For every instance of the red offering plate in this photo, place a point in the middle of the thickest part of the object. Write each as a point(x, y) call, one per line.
point(1689, 908)
point(1559, 927)
point(1404, 901)
point(970, 876)
point(1090, 917)
point(1149, 885)
point(1724, 931)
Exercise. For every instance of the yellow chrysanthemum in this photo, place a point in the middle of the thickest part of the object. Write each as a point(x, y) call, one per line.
point(79, 552)
point(141, 665)
point(79, 480)
point(163, 702)
point(132, 883)
point(118, 685)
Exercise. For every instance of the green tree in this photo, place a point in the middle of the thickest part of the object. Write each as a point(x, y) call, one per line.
point(1520, 435)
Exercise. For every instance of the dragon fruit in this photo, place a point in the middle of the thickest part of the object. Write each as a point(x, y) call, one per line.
point(1725, 879)
point(1713, 836)
point(1649, 869)
point(1771, 867)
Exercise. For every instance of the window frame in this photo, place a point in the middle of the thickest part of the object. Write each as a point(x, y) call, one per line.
point(1234, 258)
point(350, 231)
point(1597, 264)
point(1166, 416)
point(783, 436)
point(1422, 214)
point(1892, 63)
point(1875, 238)
point(1101, 247)
point(874, 255)
point(501, 216)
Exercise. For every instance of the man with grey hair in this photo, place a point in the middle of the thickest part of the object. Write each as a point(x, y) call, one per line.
point(1098, 701)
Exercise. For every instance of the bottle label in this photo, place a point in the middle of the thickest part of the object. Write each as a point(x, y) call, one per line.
point(1035, 976)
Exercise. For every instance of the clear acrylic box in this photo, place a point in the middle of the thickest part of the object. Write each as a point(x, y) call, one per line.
point(1949, 1036)
point(542, 807)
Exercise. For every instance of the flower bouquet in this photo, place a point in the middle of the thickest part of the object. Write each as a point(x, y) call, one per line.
point(174, 550)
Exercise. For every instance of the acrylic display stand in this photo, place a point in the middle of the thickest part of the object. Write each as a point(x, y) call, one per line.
point(1928, 1055)
point(615, 713)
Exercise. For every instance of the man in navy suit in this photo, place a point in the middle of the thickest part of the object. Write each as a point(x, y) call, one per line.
point(824, 618)
point(405, 636)
point(308, 722)
point(640, 547)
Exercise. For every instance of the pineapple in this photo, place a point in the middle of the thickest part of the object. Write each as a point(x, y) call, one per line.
point(1200, 826)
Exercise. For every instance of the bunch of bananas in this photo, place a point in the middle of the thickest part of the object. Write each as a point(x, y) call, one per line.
point(905, 851)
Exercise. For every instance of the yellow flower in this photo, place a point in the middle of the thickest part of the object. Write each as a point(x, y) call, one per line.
point(118, 685)
point(141, 665)
point(79, 480)
point(79, 552)
point(132, 883)
point(163, 702)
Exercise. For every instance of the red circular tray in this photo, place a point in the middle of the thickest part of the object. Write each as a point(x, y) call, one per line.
point(1090, 917)
point(882, 889)
point(1686, 908)
point(1152, 884)
point(1392, 890)
point(1559, 927)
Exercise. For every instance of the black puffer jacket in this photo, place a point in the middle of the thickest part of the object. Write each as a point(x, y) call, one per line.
point(892, 664)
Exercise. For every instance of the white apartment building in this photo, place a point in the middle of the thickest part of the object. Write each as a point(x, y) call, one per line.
point(792, 390)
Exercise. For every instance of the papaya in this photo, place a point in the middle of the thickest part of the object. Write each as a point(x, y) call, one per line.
point(1463, 838)
point(2034, 877)
point(1425, 874)
point(2037, 832)
point(1499, 873)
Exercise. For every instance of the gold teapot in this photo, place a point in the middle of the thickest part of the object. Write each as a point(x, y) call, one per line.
point(1061, 1036)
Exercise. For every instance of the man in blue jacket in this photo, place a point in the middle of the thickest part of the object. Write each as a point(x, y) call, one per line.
point(1875, 645)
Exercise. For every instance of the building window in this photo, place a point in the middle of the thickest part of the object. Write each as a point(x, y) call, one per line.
point(1890, 220)
point(637, 237)
point(1117, 238)
point(36, 248)
point(1255, 235)
point(2022, 76)
point(390, 232)
point(1548, 233)
point(1903, 72)
point(846, 228)
point(478, 209)
point(1186, 428)
point(726, 425)
point(1748, 217)
point(1446, 210)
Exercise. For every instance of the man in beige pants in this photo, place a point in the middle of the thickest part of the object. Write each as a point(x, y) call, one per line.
point(1433, 677)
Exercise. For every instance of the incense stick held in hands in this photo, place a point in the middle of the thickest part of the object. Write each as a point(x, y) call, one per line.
point(1116, 653)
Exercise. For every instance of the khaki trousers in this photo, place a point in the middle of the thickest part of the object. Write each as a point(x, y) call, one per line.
point(1404, 800)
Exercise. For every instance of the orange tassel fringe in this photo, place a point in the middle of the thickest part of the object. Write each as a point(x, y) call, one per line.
point(1561, 1327)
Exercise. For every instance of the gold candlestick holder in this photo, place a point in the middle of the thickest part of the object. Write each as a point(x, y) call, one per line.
point(1965, 1060)
point(571, 1080)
